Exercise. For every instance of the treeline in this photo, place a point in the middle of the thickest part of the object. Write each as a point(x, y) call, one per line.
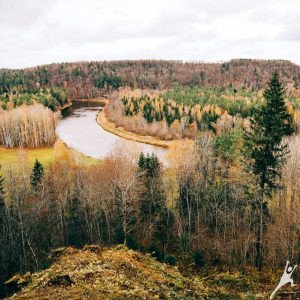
point(27, 126)
point(88, 79)
point(108, 82)
point(52, 98)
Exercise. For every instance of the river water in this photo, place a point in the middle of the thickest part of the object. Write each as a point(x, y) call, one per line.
point(80, 131)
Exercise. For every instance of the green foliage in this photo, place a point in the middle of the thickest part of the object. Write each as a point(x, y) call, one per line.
point(200, 105)
point(234, 101)
point(156, 252)
point(153, 198)
point(108, 82)
point(263, 144)
point(37, 174)
point(228, 145)
point(73, 222)
point(131, 242)
point(50, 98)
point(198, 258)
point(149, 164)
point(170, 260)
point(8, 80)
point(266, 152)
point(155, 218)
point(153, 110)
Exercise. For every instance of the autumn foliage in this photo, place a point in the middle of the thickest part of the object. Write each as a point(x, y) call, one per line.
point(28, 126)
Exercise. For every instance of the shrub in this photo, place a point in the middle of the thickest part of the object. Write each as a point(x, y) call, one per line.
point(170, 260)
point(198, 258)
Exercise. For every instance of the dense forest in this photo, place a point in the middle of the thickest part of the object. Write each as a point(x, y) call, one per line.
point(28, 126)
point(90, 79)
point(183, 112)
point(216, 205)
point(51, 98)
point(228, 200)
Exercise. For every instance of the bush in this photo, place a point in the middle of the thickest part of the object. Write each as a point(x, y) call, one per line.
point(170, 260)
point(227, 145)
point(132, 242)
point(155, 252)
point(198, 258)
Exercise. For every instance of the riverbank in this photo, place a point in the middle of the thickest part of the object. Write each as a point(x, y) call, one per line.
point(92, 100)
point(109, 126)
point(46, 155)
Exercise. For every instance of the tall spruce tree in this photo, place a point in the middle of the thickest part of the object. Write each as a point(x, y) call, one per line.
point(37, 174)
point(266, 152)
point(153, 199)
point(73, 222)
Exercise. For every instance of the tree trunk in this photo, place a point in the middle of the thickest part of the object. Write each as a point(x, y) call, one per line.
point(259, 235)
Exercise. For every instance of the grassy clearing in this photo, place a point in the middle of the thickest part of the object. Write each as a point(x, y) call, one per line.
point(12, 156)
point(46, 155)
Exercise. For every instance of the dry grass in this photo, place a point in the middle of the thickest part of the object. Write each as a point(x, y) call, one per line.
point(46, 155)
point(115, 273)
point(120, 273)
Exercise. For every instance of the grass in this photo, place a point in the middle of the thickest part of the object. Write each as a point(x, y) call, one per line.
point(45, 155)
point(12, 156)
point(119, 273)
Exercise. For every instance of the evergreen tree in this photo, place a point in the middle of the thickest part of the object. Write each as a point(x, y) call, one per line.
point(37, 174)
point(152, 196)
point(263, 145)
point(73, 222)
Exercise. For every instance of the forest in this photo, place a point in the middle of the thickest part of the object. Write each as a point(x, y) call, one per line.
point(227, 201)
point(183, 112)
point(27, 126)
point(87, 79)
point(51, 98)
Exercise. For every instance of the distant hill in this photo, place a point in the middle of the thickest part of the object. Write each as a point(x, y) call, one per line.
point(80, 78)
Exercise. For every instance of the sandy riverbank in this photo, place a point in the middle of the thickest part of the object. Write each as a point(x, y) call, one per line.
point(103, 121)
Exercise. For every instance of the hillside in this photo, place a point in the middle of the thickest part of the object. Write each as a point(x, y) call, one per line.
point(80, 78)
point(120, 273)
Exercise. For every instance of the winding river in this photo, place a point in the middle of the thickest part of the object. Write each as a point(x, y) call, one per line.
point(80, 131)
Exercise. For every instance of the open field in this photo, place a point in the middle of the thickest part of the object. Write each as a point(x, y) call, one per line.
point(12, 156)
point(45, 155)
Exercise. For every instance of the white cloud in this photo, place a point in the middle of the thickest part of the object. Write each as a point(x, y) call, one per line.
point(38, 32)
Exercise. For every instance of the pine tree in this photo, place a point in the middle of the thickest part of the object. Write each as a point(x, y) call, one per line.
point(152, 196)
point(37, 174)
point(264, 148)
point(73, 222)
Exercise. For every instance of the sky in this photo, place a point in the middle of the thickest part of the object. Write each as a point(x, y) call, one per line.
point(34, 32)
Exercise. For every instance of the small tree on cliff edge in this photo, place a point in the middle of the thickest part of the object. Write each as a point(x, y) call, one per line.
point(264, 147)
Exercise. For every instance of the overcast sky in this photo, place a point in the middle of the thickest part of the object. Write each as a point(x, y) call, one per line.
point(34, 32)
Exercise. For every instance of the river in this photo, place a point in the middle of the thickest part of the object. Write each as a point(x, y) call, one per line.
point(79, 130)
